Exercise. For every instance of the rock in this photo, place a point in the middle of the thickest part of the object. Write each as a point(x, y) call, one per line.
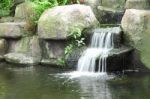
point(6, 19)
point(19, 58)
point(120, 59)
point(14, 4)
point(114, 4)
point(107, 11)
point(138, 4)
point(56, 23)
point(3, 48)
point(93, 4)
point(24, 11)
point(109, 15)
point(52, 51)
point(18, 1)
point(25, 51)
point(73, 58)
point(14, 30)
point(136, 25)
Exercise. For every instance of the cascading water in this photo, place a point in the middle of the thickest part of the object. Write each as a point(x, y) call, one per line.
point(101, 44)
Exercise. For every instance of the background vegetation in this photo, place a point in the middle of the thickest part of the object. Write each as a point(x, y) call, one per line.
point(5, 6)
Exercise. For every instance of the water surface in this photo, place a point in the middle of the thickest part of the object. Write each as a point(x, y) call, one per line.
point(49, 83)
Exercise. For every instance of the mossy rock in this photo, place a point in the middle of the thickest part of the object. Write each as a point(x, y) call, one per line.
point(56, 23)
point(24, 51)
point(136, 25)
point(14, 30)
point(25, 11)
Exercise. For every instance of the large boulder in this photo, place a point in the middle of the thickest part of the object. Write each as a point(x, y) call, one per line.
point(3, 48)
point(56, 23)
point(14, 30)
point(25, 51)
point(136, 25)
point(138, 4)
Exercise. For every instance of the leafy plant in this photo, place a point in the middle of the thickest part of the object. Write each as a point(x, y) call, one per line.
point(68, 50)
point(61, 62)
point(77, 40)
point(5, 6)
point(42, 5)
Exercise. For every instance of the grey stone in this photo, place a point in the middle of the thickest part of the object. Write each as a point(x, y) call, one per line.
point(136, 27)
point(109, 15)
point(3, 48)
point(14, 30)
point(24, 11)
point(107, 11)
point(6, 19)
point(24, 51)
point(58, 22)
point(52, 51)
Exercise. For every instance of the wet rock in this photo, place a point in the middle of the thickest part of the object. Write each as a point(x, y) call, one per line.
point(120, 59)
point(136, 27)
point(73, 58)
point(14, 30)
point(24, 51)
point(109, 15)
point(56, 23)
point(19, 58)
point(138, 4)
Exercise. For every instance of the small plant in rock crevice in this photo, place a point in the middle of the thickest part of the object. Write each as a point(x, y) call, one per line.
point(76, 40)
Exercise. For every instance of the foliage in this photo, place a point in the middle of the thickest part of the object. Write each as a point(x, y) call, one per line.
point(42, 5)
point(5, 6)
point(77, 40)
point(61, 62)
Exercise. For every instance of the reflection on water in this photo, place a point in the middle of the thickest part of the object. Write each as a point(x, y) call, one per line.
point(94, 89)
point(48, 83)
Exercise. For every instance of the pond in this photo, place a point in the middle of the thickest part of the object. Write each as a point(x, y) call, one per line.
point(49, 83)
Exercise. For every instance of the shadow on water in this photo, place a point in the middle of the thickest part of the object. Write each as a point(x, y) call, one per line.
point(48, 83)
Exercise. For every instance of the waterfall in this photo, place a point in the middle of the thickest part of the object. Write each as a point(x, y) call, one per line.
point(101, 44)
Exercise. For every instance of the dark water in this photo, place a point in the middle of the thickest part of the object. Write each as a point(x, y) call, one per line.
point(45, 83)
